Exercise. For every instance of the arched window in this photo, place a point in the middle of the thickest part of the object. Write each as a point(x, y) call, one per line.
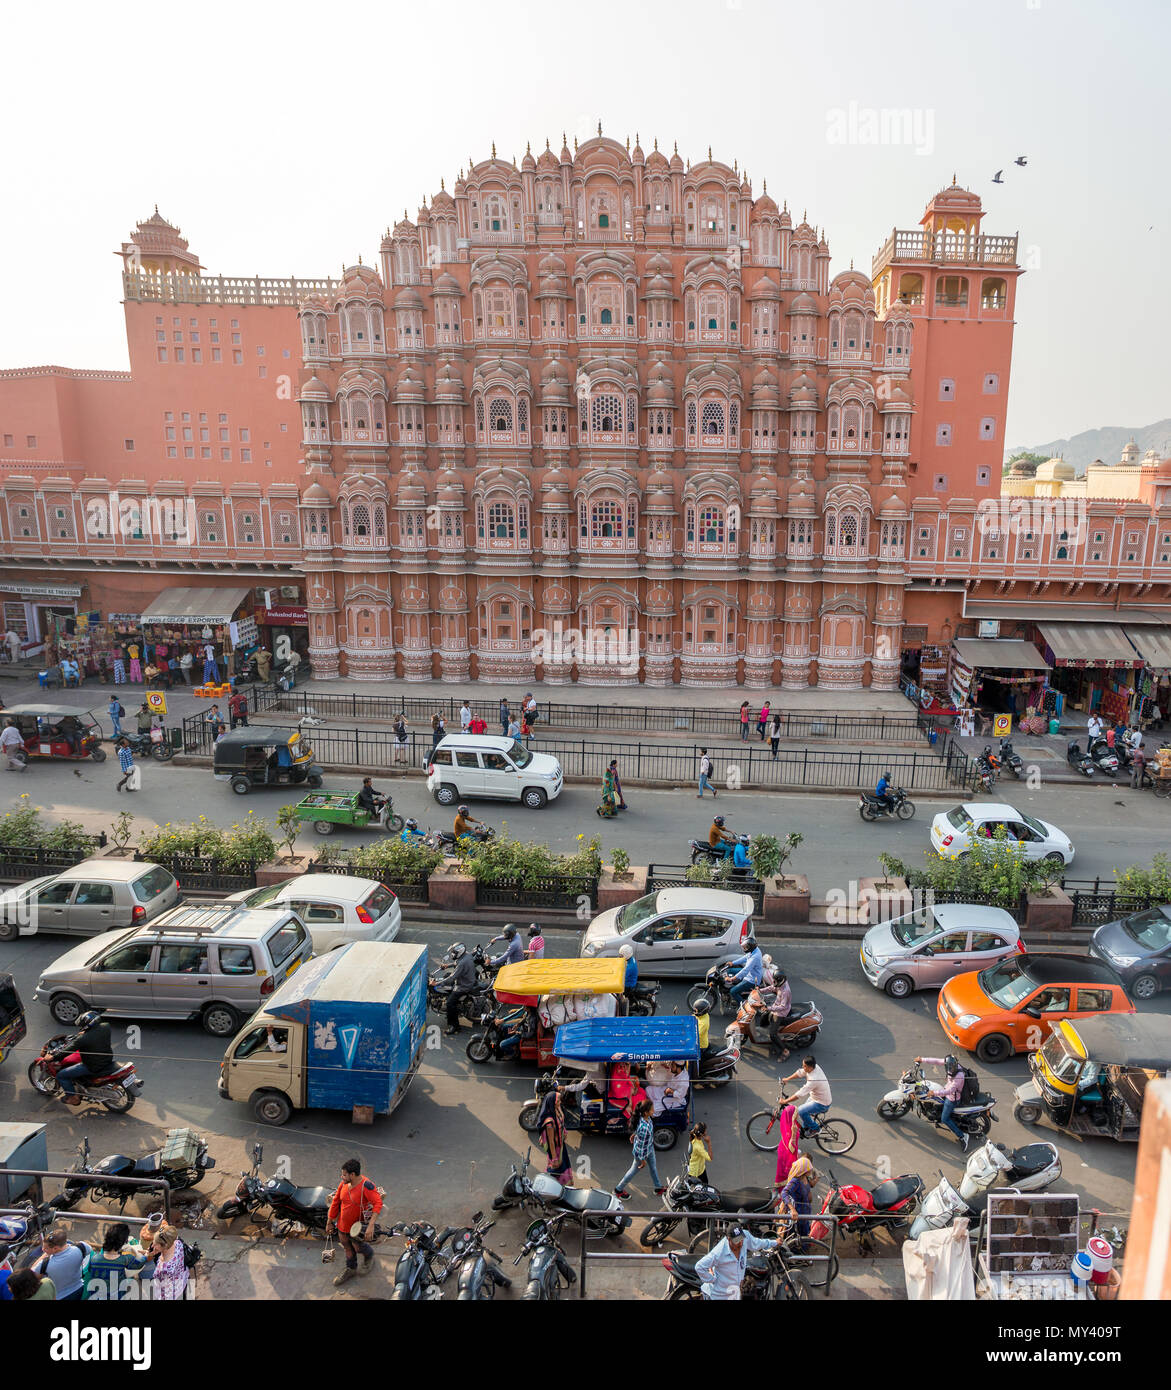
point(501, 522)
point(713, 417)
point(500, 414)
point(361, 520)
point(606, 414)
point(607, 316)
point(711, 525)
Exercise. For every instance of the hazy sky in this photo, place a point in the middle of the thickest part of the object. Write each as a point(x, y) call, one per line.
point(283, 138)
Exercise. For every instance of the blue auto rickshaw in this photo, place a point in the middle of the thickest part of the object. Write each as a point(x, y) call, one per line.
point(613, 1056)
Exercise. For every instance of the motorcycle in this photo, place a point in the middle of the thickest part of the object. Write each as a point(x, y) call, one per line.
point(444, 840)
point(1104, 758)
point(479, 1266)
point(144, 746)
point(642, 1000)
point(549, 1269)
point(796, 1029)
point(686, 1194)
point(285, 1201)
point(1029, 1169)
point(499, 1032)
point(1011, 758)
point(872, 807)
point(767, 1276)
point(987, 769)
point(117, 1090)
point(545, 1192)
point(704, 853)
point(423, 1266)
point(1077, 759)
point(120, 1166)
point(974, 1114)
point(476, 1004)
point(862, 1210)
point(22, 1230)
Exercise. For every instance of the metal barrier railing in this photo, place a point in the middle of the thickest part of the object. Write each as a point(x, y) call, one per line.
point(87, 1180)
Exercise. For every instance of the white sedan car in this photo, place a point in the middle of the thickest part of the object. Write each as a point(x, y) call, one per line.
point(335, 908)
point(952, 831)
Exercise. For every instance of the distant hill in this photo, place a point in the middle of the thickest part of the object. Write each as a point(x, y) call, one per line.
point(1105, 444)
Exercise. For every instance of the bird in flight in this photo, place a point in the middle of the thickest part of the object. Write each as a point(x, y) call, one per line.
point(997, 178)
point(1021, 159)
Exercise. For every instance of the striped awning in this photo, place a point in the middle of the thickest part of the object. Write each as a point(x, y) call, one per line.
point(1089, 644)
point(1153, 644)
point(188, 607)
point(999, 654)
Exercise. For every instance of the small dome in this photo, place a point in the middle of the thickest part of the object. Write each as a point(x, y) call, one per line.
point(764, 390)
point(316, 302)
point(764, 485)
point(764, 207)
point(803, 390)
point(555, 486)
point(442, 201)
point(409, 386)
point(449, 384)
point(445, 284)
point(1056, 470)
point(554, 383)
point(802, 497)
point(315, 390)
point(316, 496)
point(408, 298)
point(528, 164)
point(551, 266)
point(765, 288)
point(656, 161)
point(803, 304)
point(546, 159)
point(451, 490)
point(658, 287)
point(892, 507)
point(676, 162)
point(660, 386)
point(360, 280)
point(658, 264)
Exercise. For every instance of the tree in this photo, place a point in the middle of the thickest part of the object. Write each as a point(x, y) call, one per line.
point(1025, 462)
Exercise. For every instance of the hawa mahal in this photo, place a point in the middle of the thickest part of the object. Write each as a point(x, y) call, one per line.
point(590, 403)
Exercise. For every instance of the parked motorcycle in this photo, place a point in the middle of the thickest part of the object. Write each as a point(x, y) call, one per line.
point(549, 1270)
point(767, 1276)
point(143, 746)
point(1011, 759)
point(284, 1200)
point(862, 1210)
point(1104, 758)
point(1078, 759)
point(1029, 1169)
point(686, 1194)
point(974, 1114)
point(987, 769)
point(545, 1192)
point(872, 807)
point(480, 1273)
point(117, 1090)
point(423, 1266)
point(120, 1166)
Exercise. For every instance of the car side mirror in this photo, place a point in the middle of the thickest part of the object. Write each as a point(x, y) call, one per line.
point(1033, 1011)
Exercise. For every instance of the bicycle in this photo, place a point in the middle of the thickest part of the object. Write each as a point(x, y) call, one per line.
point(831, 1133)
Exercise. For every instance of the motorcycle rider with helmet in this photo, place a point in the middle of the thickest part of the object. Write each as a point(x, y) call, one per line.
point(412, 835)
point(740, 859)
point(883, 792)
point(751, 971)
point(720, 839)
point(463, 984)
point(949, 1094)
point(465, 827)
point(92, 1040)
point(512, 953)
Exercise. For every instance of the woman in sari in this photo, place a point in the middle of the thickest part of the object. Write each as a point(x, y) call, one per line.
point(796, 1199)
point(787, 1150)
point(551, 1128)
point(609, 806)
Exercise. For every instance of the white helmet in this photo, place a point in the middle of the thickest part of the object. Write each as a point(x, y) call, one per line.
point(626, 951)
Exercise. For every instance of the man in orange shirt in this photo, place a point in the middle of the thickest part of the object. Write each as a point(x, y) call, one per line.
point(356, 1200)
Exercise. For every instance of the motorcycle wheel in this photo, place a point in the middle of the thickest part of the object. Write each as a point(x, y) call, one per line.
point(121, 1102)
point(836, 1136)
point(479, 1049)
point(43, 1081)
point(892, 1110)
point(792, 1287)
point(227, 1210)
point(657, 1231)
point(906, 810)
point(162, 752)
point(682, 1293)
point(643, 1008)
point(528, 1117)
point(867, 812)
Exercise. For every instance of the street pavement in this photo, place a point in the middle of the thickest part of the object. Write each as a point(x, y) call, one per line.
point(1110, 828)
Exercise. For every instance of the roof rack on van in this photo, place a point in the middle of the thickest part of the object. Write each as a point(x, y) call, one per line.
point(193, 918)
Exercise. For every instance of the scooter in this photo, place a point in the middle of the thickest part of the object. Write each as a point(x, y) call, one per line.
point(479, 1266)
point(872, 807)
point(423, 1266)
point(863, 1210)
point(687, 1194)
point(1078, 760)
point(974, 1116)
point(1011, 759)
point(717, 1065)
point(1104, 757)
point(796, 1029)
point(119, 1166)
point(544, 1191)
point(1029, 1169)
point(117, 1090)
point(549, 1269)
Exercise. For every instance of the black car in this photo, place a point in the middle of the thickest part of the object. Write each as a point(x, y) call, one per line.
point(1139, 948)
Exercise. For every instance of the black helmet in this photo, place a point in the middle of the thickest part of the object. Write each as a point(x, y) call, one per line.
point(742, 839)
point(719, 820)
point(458, 951)
point(701, 1007)
point(88, 1019)
point(950, 1065)
point(463, 809)
point(750, 943)
point(546, 1083)
point(510, 930)
point(411, 824)
point(779, 977)
point(886, 774)
point(534, 929)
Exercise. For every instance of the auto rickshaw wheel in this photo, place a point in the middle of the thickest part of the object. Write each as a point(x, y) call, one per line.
point(98, 755)
point(396, 825)
point(528, 1117)
point(315, 781)
point(665, 1138)
point(241, 786)
point(479, 1049)
point(323, 827)
point(1026, 1113)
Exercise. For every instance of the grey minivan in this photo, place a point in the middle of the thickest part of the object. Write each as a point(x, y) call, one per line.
point(96, 895)
point(216, 962)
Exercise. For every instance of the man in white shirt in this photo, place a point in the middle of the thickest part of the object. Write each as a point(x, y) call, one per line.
point(1093, 731)
point(10, 742)
point(814, 1092)
point(722, 1270)
point(1134, 737)
point(465, 717)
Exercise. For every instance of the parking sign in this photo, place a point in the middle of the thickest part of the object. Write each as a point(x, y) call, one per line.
point(156, 702)
point(1002, 725)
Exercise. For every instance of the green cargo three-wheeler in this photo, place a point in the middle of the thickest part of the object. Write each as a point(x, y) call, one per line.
point(328, 810)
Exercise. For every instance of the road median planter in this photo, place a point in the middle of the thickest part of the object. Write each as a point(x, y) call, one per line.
point(786, 901)
point(880, 899)
point(451, 890)
point(617, 892)
point(1051, 911)
point(281, 870)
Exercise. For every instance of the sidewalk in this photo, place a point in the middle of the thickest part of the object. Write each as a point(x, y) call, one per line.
point(235, 1267)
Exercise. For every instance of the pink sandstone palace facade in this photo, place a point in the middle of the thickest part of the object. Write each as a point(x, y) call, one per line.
point(588, 403)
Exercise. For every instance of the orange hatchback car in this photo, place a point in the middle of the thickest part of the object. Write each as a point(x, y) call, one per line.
point(1010, 1007)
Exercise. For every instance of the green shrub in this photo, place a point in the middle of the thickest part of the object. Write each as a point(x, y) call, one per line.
point(391, 860)
point(620, 862)
point(1153, 883)
point(247, 842)
point(700, 873)
point(24, 828)
point(506, 859)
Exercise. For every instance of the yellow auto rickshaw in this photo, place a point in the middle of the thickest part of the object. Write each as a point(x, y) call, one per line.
point(1090, 1075)
point(534, 997)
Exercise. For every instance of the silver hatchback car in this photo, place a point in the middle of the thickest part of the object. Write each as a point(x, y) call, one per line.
point(925, 948)
point(96, 895)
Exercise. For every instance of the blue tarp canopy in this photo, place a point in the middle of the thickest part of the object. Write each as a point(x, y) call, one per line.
point(673, 1039)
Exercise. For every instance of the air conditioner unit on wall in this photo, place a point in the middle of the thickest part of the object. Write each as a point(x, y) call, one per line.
point(988, 627)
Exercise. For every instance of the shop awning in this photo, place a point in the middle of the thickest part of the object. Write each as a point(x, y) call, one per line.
point(1027, 610)
point(187, 607)
point(1088, 644)
point(999, 654)
point(1154, 645)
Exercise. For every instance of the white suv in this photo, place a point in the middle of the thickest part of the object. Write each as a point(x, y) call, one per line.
point(463, 766)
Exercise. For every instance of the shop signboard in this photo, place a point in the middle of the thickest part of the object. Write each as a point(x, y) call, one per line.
point(285, 615)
